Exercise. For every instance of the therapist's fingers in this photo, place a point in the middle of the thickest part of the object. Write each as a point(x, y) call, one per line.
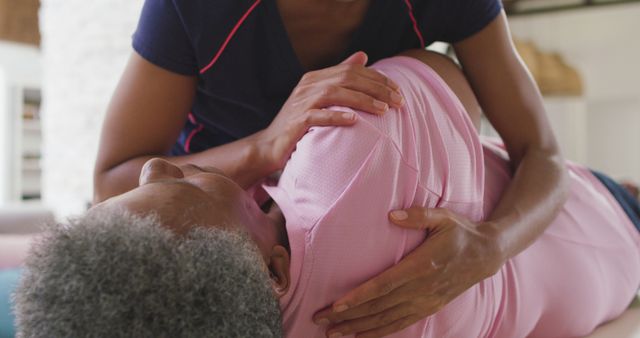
point(375, 89)
point(335, 95)
point(352, 74)
point(311, 118)
point(366, 72)
point(357, 62)
point(281, 140)
point(358, 58)
point(326, 117)
point(369, 309)
point(422, 218)
point(379, 77)
point(368, 81)
point(288, 138)
point(385, 283)
point(379, 320)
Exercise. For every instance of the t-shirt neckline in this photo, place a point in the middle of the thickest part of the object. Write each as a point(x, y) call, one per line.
point(288, 53)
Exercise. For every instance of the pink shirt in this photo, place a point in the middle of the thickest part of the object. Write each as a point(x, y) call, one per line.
point(340, 183)
point(583, 271)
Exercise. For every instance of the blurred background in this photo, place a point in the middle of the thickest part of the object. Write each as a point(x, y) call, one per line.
point(60, 61)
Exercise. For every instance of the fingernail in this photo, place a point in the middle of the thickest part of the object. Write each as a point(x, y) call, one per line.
point(335, 335)
point(380, 105)
point(393, 85)
point(399, 215)
point(397, 99)
point(321, 321)
point(348, 116)
point(340, 308)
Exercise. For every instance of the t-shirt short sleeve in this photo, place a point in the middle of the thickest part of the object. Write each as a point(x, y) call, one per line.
point(162, 38)
point(460, 19)
point(322, 167)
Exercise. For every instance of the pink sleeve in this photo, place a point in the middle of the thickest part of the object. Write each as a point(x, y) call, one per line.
point(322, 167)
point(347, 236)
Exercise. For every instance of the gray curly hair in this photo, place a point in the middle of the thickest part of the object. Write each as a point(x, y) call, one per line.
point(112, 274)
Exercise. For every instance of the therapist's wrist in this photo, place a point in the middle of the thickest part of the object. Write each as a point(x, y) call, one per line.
point(262, 157)
point(498, 246)
point(250, 163)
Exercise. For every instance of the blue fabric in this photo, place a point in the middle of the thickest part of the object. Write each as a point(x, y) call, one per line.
point(8, 282)
point(244, 90)
point(629, 204)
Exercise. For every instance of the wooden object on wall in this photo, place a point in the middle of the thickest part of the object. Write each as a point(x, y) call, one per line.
point(529, 54)
point(19, 21)
point(553, 75)
point(557, 77)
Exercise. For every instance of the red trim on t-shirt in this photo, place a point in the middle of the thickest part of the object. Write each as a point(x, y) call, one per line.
point(231, 34)
point(415, 23)
point(192, 118)
point(187, 143)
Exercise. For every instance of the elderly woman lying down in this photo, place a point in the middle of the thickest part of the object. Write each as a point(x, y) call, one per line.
point(191, 254)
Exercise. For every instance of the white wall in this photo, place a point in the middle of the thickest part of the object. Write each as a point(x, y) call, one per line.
point(20, 62)
point(85, 47)
point(604, 45)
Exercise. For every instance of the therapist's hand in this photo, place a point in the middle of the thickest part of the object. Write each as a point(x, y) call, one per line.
point(456, 255)
point(349, 84)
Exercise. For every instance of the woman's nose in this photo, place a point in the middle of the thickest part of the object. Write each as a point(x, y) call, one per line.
point(158, 169)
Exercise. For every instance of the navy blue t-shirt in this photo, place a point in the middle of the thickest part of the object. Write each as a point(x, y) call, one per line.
point(257, 69)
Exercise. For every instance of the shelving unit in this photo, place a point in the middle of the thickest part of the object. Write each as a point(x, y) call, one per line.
point(28, 154)
point(24, 173)
point(20, 124)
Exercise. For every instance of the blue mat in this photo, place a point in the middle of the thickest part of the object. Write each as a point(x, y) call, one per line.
point(8, 281)
point(629, 204)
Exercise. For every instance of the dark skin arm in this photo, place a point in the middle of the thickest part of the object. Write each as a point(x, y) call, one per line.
point(145, 117)
point(150, 106)
point(513, 104)
point(459, 253)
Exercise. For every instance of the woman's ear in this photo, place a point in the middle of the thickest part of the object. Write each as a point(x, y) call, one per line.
point(279, 268)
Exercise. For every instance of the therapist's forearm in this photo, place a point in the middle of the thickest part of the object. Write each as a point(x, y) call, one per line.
point(531, 201)
point(513, 104)
point(240, 160)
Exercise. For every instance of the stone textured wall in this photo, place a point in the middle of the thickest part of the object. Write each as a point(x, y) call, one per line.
point(85, 48)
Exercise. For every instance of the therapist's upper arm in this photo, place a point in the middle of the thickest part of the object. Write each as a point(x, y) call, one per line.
point(505, 89)
point(146, 113)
